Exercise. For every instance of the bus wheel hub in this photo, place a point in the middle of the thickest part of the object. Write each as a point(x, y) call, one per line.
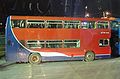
point(34, 58)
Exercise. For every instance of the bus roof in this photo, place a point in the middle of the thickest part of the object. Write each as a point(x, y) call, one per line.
point(55, 18)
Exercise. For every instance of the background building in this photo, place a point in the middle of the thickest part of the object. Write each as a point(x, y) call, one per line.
point(73, 8)
point(115, 8)
point(97, 7)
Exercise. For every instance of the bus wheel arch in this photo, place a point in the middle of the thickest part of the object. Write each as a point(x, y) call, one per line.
point(89, 56)
point(34, 58)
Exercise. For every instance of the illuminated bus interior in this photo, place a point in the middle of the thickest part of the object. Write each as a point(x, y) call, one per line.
point(59, 24)
point(54, 44)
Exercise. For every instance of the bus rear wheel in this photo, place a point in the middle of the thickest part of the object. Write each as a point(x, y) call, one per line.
point(89, 56)
point(34, 58)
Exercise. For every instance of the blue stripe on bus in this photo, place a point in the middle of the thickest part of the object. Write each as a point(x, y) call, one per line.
point(62, 58)
point(103, 56)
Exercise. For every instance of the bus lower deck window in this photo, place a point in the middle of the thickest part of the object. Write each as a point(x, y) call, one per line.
point(104, 42)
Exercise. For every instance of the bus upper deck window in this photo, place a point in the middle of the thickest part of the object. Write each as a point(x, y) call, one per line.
point(35, 24)
point(72, 24)
point(102, 25)
point(18, 23)
point(84, 25)
point(54, 24)
point(91, 24)
point(88, 24)
point(15, 24)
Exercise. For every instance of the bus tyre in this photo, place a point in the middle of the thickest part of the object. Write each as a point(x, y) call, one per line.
point(89, 56)
point(34, 58)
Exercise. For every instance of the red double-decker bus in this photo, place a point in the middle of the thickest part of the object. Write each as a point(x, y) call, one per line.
point(39, 38)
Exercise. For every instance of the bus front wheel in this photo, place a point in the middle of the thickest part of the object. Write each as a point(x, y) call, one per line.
point(34, 58)
point(89, 56)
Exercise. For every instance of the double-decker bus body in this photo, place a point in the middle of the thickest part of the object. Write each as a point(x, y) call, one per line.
point(115, 44)
point(55, 43)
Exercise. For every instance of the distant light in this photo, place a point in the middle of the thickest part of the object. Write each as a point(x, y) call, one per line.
point(0, 23)
point(87, 15)
point(107, 13)
point(84, 23)
point(85, 7)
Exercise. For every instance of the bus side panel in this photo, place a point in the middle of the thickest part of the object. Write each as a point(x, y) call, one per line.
point(89, 40)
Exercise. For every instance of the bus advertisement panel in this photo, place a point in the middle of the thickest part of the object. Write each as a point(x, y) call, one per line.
point(35, 39)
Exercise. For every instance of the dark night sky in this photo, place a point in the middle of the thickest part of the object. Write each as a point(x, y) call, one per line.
point(116, 8)
point(74, 8)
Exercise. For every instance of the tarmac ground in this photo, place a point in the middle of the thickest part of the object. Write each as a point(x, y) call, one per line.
point(98, 69)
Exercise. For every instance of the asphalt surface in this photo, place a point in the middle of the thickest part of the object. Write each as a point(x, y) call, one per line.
point(98, 69)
